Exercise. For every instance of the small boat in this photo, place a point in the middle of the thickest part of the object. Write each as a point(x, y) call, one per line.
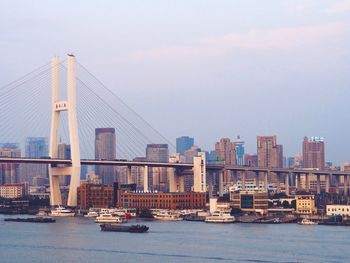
point(220, 217)
point(109, 218)
point(120, 228)
point(32, 220)
point(91, 214)
point(41, 213)
point(306, 221)
point(167, 216)
point(61, 211)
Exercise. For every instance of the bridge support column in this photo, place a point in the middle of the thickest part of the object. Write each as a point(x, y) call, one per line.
point(244, 176)
point(307, 181)
point(221, 183)
point(145, 178)
point(327, 178)
point(337, 184)
point(286, 182)
point(266, 180)
point(128, 175)
point(70, 106)
point(318, 183)
point(199, 173)
point(181, 184)
point(298, 182)
point(172, 180)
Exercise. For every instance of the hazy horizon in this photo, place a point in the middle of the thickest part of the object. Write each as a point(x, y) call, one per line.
point(206, 69)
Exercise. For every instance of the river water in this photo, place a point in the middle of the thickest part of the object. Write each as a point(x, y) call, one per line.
point(80, 240)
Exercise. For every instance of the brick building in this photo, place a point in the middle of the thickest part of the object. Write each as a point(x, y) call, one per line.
point(160, 200)
point(91, 195)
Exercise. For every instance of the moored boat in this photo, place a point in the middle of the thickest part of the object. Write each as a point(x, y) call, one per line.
point(61, 211)
point(220, 217)
point(167, 216)
point(120, 228)
point(306, 221)
point(31, 220)
point(109, 218)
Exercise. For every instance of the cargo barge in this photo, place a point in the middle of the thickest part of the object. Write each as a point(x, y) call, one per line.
point(31, 220)
point(120, 228)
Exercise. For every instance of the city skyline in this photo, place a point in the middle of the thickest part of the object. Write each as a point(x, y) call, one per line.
point(279, 71)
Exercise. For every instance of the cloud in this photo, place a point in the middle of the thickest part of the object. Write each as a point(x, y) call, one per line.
point(255, 39)
point(339, 8)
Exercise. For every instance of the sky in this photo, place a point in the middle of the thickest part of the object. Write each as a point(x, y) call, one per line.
point(207, 69)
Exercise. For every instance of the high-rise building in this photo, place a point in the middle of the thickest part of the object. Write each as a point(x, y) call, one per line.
point(251, 160)
point(35, 147)
point(270, 154)
point(239, 147)
point(226, 151)
point(313, 153)
point(157, 177)
point(183, 144)
point(190, 153)
point(9, 172)
point(105, 149)
point(290, 162)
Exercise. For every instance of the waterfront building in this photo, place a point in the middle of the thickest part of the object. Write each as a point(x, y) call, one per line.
point(9, 172)
point(314, 153)
point(92, 195)
point(161, 200)
point(183, 144)
point(239, 149)
point(250, 201)
point(343, 210)
point(35, 147)
point(64, 153)
point(105, 149)
point(13, 190)
point(157, 176)
point(305, 203)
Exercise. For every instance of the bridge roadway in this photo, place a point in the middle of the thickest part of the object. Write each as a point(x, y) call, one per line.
point(210, 167)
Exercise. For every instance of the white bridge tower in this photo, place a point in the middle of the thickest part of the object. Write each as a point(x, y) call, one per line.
point(68, 105)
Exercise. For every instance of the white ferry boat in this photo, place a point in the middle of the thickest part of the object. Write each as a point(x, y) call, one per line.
point(109, 218)
point(167, 216)
point(91, 214)
point(306, 221)
point(220, 217)
point(61, 211)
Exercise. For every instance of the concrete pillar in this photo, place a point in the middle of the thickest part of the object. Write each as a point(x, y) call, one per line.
point(327, 177)
point(298, 181)
point(221, 183)
point(307, 181)
point(172, 180)
point(257, 180)
point(181, 183)
point(266, 180)
point(286, 182)
point(337, 181)
point(244, 174)
point(128, 175)
point(145, 178)
point(318, 182)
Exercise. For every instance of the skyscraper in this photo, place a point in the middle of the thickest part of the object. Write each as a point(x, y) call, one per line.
point(35, 147)
point(226, 151)
point(9, 172)
point(157, 177)
point(64, 153)
point(239, 147)
point(105, 149)
point(270, 154)
point(183, 144)
point(314, 153)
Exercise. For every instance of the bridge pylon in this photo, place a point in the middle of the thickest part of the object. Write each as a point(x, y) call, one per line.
point(58, 106)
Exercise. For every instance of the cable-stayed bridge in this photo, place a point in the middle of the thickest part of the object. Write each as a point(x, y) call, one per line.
point(63, 101)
